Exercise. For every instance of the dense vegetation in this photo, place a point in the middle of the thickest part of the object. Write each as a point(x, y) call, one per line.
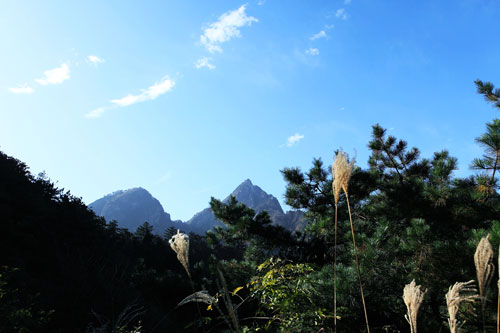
point(63, 269)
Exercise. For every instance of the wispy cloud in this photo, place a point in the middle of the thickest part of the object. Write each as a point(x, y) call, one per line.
point(347, 2)
point(226, 28)
point(341, 14)
point(157, 89)
point(312, 51)
point(95, 59)
point(321, 34)
point(204, 62)
point(96, 113)
point(292, 140)
point(54, 76)
point(329, 26)
point(154, 91)
point(24, 89)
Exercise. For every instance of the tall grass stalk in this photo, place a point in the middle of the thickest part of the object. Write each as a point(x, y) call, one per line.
point(335, 274)
point(342, 171)
point(180, 244)
point(336, 194)
point(483, 258)
point(413, 297)
point(228, 302)
point(357, 264)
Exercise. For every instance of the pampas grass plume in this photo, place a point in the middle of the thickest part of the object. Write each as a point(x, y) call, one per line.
point(458, 293)
point(413, 297)
point(180, 244)
point(483, 258)
point(342, 171)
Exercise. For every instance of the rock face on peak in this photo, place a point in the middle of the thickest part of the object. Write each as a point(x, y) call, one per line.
point(131, 208)
point(254, 197)
point(257, 199)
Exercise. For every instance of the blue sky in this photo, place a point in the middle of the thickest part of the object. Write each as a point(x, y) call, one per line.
point(188, 99)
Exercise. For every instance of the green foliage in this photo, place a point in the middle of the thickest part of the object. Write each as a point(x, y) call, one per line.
point(19, 312)
point(287, 292)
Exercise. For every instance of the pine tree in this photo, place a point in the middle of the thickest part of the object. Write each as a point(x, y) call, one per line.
point(490, 141)
point(488, 90)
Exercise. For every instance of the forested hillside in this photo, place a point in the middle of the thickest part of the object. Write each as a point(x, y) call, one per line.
point(63, 269)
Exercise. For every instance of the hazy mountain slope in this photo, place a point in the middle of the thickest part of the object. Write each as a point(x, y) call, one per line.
point(131, 208)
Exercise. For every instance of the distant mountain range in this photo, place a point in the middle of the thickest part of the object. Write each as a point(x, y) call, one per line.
point(131, 208)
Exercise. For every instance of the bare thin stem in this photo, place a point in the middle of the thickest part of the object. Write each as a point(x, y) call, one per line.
point(357, 263)
point(197, 305)
point(498, 308)
point(335, 274)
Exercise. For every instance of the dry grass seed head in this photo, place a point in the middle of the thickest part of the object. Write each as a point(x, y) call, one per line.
point(180, 244)
point(484, 268)
point(458, 293)
point(341, 171)
point(413, 297)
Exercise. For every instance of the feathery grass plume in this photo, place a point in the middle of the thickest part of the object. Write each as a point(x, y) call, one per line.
point(413, 297)
point(200, 297)
point(342, 171)
point(484, 269)
point(180, 244)
point(458, 293)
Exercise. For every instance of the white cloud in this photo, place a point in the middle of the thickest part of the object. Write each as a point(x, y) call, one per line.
point(159, 88)
point(95, 59)
point(55, 76)
point(24, 89)
point(165, 177)
point(204, 62)
point(96, 113)
point(321, 34)
point(347, 2)
point(329, 26)
point(341, 14)
point(294, 139)
point(312, 51)
point(225, 29)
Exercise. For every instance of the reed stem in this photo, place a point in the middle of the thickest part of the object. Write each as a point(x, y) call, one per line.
point(335, 274)
point(357, 263)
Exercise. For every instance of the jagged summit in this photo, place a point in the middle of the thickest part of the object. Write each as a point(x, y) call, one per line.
point(133, 207)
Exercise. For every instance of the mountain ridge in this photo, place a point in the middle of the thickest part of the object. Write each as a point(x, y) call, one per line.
point(132, 207)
